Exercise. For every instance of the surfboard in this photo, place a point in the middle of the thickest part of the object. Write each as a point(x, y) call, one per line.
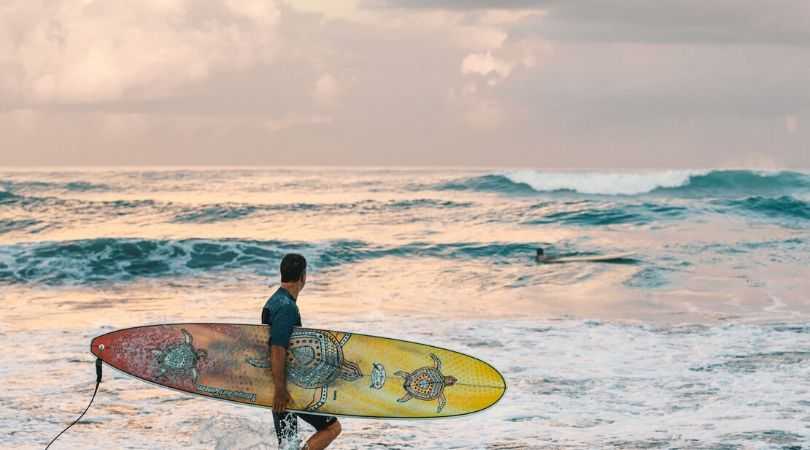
point(592, 258)
point(328, 372)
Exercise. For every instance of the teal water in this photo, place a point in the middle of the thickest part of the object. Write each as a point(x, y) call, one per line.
point(699, 341)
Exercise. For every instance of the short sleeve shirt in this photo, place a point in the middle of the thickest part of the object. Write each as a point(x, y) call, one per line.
point(281, 313)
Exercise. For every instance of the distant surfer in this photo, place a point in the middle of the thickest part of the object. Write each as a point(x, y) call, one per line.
point(281, 313)
point(620, 258)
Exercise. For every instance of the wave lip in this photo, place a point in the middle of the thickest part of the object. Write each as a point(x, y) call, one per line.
point(8, 197)
point(123, 259)
point(783, 206)
point(486, 183)
point(687, 183)
point(215, 213)
point(602, 183)
point(101, 260)
point(234, 211)
point(72, 186)
point(8, 225)
point(743, 182)
point(590, 213)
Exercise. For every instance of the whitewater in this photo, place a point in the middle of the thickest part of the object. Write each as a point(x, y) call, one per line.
point(700, 342)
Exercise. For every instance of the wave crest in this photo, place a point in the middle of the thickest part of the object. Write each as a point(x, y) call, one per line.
point(111, 259)
point(234, 211)
point(101, 260)
point(784, 206)
point(673, 182)
point(72, 186)
point(591, 213)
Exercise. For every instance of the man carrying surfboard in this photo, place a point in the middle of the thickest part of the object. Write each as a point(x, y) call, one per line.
point(281, 313)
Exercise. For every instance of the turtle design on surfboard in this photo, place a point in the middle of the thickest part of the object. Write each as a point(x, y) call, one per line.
point(426, 383)
point(314, 361)
point(180, 359)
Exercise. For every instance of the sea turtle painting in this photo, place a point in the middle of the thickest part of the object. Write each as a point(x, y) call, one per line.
point(426, 383)
point(377, 376)
point(180, 359)
point(314, 361)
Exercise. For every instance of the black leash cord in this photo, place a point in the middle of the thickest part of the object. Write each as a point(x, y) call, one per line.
point(98, 382)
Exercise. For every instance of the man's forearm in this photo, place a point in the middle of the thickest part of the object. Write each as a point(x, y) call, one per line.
point(278, 365)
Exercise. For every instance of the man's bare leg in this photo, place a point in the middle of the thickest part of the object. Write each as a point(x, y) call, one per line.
point(323, 438)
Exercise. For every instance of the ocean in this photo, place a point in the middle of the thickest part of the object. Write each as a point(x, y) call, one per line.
point(701, 341)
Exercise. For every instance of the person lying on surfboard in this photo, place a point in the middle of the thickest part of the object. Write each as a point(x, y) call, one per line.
point(281, 313)
point(540, 257)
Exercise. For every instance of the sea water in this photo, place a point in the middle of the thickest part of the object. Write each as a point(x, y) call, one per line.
point(702, 341)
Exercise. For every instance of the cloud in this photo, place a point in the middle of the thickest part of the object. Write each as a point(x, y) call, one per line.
point(485, 64)
point(785, 22)
point(74, 51)
point(561, 83)
point(460, 4)
point(477, 37)
point(259, 11)
point(326, 90)
point(291, 121)
point(478, 109)
point(791, 123)
point(500, 64)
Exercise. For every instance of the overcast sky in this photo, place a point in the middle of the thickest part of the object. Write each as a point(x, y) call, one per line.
point(538, 83)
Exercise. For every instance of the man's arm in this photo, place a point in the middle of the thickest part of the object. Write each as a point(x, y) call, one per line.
point(281, 328)
point(278, 366)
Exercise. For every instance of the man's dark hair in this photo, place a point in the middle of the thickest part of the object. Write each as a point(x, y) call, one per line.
point(293, 267)
point(540, 252)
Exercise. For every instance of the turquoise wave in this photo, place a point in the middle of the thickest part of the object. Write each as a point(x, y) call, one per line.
point(595, 213)
point(74, 186)
point(773, 207)
point(486, 183)
point(8, 225)
point(233, 211)
point(65, 209)
point(7, 197)
point(743, 182)
point(105, 260)
point(109, 259)
point(669, 183)
point(57, 212)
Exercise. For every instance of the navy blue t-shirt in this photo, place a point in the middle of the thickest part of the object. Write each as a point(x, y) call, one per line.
point(281, 313)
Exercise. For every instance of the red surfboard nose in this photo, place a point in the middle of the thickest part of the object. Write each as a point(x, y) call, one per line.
point(101, 345)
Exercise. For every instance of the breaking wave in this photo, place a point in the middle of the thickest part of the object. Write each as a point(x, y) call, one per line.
point(72, 186)
point(234, 211)
point(673, 182)
point(7, 225)
point(102, 260)
point(592, 213)
point(784, 206)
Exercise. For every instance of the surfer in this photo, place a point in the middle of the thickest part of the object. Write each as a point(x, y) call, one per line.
point(281, 313)
point(619, 258)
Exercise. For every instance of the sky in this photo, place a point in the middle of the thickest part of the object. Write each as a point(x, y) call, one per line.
point(528, 83)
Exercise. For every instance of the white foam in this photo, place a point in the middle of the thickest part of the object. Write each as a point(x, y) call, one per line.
point(615, 183)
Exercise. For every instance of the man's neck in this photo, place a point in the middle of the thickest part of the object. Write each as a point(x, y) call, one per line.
point(292, 288)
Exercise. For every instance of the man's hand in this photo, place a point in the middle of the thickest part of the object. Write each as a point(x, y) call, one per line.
point(281, 398)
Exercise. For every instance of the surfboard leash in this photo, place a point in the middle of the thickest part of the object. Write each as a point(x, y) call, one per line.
point(98, 382)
